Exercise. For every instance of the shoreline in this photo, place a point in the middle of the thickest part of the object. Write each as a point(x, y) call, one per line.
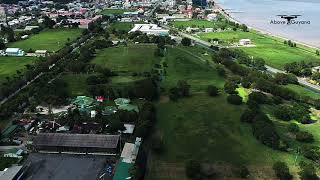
point(264, 32)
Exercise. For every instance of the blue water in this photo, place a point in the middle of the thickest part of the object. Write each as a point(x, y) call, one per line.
point(259, 13)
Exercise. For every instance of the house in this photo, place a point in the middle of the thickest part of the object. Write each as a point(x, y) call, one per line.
point(244, 42)
point(14, 52)
point(212, 17)
point(11, 173)
point(41, 53)
point(208, 30)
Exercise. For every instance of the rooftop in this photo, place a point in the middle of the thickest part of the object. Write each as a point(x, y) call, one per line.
point(76, 140)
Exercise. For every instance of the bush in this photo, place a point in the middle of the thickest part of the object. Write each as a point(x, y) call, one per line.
point(193, 168)
point(230, 87)
point(243, 172)
point(212, 90)
point(263, 129)
point(308, 171)
point(311, 152)
point(304, 137)
point(282, 170)
point(293, 128)
point(248, 115)
point(283, 112)
point(234, 99)
point(258, 97)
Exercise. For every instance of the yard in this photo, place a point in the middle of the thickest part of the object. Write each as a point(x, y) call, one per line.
point(133, 58)
point(51, 40)
point(274, 51)
point(303, 91)
point(122, 26)
point(197, 23)
point(10, 65)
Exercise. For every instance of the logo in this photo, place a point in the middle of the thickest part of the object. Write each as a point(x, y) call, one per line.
point(289, 20)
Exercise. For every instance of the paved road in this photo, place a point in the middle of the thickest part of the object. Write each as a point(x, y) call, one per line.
point(207, 45)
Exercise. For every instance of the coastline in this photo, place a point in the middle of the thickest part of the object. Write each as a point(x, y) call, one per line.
point(264, 32)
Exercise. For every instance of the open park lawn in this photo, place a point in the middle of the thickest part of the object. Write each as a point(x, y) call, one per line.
point(133, 58)
point(10, 65)
point(51, 40)
point(115, 11)
point(274, 51)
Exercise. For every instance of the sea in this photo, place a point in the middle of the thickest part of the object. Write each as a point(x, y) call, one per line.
point(262, 14)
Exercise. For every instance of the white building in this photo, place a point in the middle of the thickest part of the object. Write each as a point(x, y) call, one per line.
point(42, 53)
point(244, 42)
point(149, 29)
point(14, 52)
point(212, 17)
point(208, 30)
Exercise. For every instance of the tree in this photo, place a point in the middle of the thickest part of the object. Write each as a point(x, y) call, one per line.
point(248, 115)
point(308, 171)
point(317, 52)
point(258, 97)
point(184, 87)
point(281, 169)
point(303, 136)
point(212, 90)
point(48, 23)
point(2, 44)
point(186, 41)
point(234, 99)
point(221, 71)
point(243, 172)
point(293, 128)
point(193, 168)
point(230, 87)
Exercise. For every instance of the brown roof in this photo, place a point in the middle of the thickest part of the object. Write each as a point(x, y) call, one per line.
point(76, 140)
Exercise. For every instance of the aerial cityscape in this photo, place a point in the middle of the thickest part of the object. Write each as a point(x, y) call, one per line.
point(159, 89)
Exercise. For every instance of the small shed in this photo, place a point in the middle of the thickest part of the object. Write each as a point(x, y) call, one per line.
point(244, 42)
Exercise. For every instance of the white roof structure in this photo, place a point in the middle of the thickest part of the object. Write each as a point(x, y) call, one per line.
point(130, 151)
point(149, 29)
point(129, 128)
point(10, 173)
point(12, 50)
point(41, 51)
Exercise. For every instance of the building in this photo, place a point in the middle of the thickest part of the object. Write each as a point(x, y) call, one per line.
point(316, 69)
point(11, 173)
point(244, 42)
point(42, 53)
point(14, 52)
point(77, 143)
point(212, 17)
point(150, 29)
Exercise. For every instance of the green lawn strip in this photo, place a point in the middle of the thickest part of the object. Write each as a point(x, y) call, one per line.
point(196, 23)
point(116, 11)
point(124, 26)
point(303, 91)
point(133, 58)
point(10, 65)
point(51, 39)
point(274, 51)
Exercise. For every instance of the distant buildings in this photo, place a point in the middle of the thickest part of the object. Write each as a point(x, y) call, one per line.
point(150, 29)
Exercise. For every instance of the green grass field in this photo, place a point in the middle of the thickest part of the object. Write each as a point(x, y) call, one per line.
point(116, 11)
point(274, 51)
point(51, 40)
point(10, 65)
point(123, 26)
point(196, 23)
point(134, 58)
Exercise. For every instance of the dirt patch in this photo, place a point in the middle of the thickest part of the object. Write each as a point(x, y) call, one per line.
point(224, 171)
point(164, 99)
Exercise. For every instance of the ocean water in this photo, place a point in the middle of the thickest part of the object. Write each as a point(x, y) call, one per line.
point(259, 13)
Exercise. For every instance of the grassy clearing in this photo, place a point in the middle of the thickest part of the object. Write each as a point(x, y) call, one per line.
point(303, 91)
point(275, 53)
point(122, 26)
point(51, 40)
point(116, 11)
point(77, 85)
point(134, 58)
point(185, 66)
point(10, 65)
point(244, 93)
